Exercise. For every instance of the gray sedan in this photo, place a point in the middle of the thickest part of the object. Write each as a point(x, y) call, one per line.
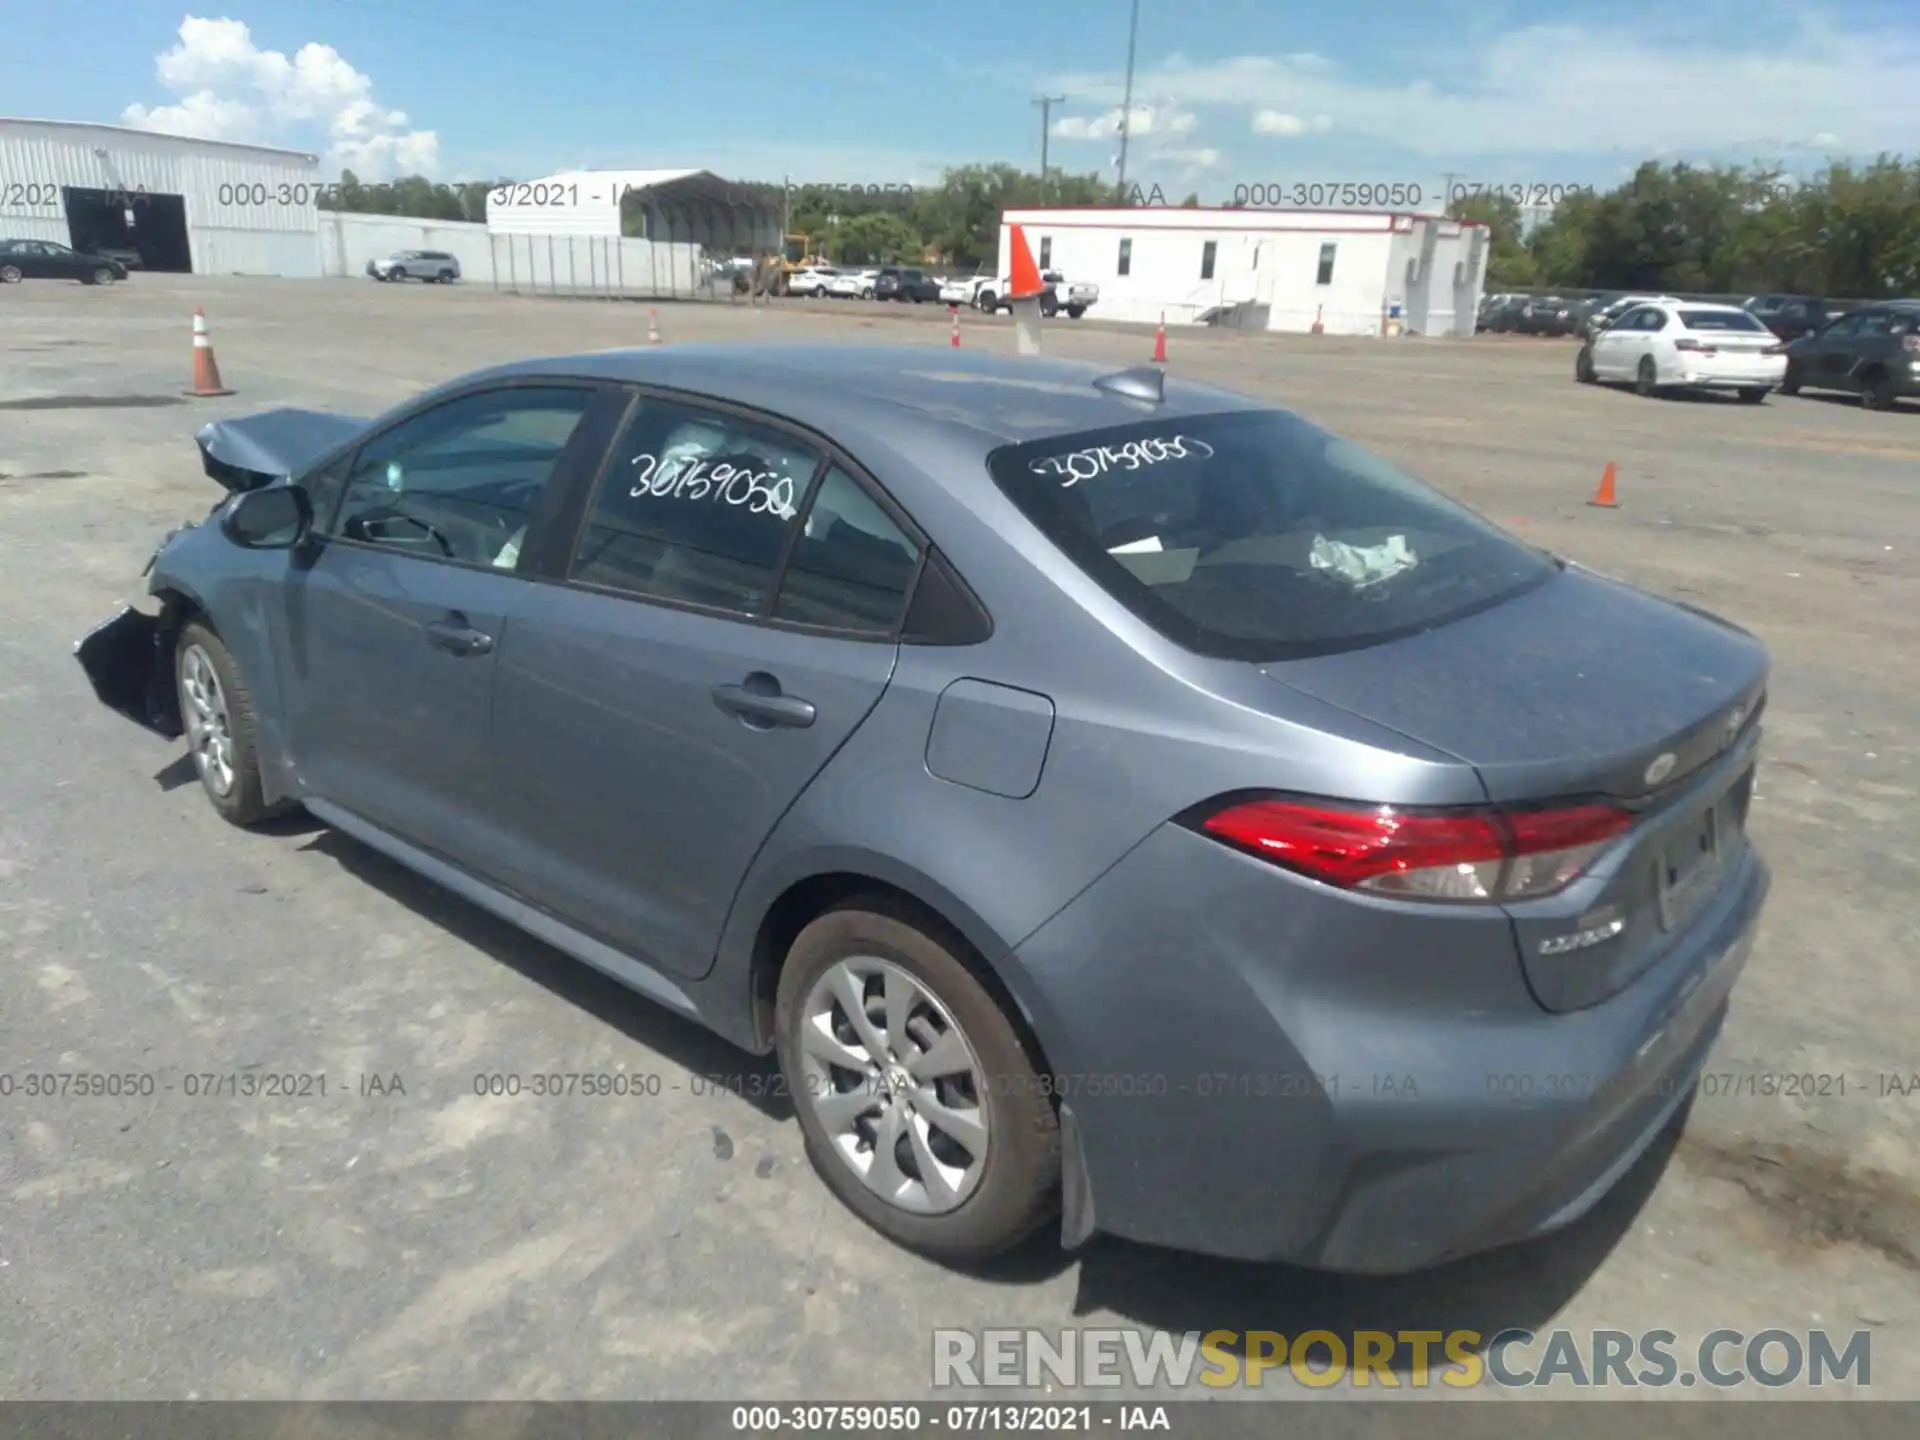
point(1120, 804)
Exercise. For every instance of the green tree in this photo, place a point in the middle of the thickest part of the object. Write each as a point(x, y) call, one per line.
point(1510, 264)
point(875, 238)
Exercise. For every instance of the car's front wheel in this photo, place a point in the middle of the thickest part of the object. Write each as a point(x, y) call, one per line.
point(100, 276)
point(216, 711)
point(1877, 392)
point(1583, 366)
point(1074, 312)
point(921, 1108)
point(10, 275)
point(1791, 382)
point(1753, 394)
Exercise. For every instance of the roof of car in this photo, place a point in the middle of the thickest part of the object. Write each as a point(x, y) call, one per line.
point(1001, 398)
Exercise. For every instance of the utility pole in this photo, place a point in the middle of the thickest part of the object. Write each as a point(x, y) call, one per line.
point(1447, 178)
point(1126, 104)
point(1046, 104)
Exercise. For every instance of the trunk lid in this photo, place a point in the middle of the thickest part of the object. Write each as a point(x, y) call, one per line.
point(1584, 687)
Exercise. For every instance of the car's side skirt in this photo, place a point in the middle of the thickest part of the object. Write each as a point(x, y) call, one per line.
point(537, 923)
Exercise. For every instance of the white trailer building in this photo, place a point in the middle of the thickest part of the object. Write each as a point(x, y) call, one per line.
point(1266, 269)
point(203, 207)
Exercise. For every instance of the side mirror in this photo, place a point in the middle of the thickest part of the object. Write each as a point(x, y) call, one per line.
point(276, 518)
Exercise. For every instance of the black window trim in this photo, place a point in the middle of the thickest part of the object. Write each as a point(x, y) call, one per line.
point(548, 510)
point(572, 519)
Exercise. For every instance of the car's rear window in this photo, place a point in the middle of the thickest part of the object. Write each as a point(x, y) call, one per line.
point(1255, 535)
point(1719, 320)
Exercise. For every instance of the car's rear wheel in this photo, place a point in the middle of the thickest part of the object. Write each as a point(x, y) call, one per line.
point(446, 277)
point(1074, 312)
point(1753, 394)
point(1876, 391)
point(1790, 382)
point(1646, 380)
point(216, 710)
point(10, 275)
point(921, 1108)
point(1583, 366)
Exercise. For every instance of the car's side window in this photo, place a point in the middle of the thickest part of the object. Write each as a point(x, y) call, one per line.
point(851, 567)
point(459, 481)
point(1629, 321)
point(695, 506)
point(1651, 319)
point(1845, 325)
point(1875, 322)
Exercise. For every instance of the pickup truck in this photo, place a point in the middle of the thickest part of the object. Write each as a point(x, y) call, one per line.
point(1058, 294)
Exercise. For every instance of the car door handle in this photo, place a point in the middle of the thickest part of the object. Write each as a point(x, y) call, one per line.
point(457, 637)
point(758, 702)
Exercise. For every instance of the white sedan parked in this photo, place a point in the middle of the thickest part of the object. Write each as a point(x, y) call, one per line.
point(853, 285)
point(1675, 344)
point(813, 280)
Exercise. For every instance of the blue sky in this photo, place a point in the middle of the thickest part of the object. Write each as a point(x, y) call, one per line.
point(1227, 92)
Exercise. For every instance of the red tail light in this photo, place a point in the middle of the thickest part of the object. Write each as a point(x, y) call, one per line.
point(1774, 350)
point(1485, 855)
point(1697, 345)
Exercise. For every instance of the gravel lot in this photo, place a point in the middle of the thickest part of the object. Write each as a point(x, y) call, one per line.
point(431, 1243)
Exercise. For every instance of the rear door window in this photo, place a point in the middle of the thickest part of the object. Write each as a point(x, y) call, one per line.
point(1257, 536)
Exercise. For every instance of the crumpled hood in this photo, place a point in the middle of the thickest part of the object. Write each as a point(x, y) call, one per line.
point(255, 450)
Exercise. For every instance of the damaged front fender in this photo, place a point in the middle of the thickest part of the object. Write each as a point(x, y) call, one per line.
point(128, 661)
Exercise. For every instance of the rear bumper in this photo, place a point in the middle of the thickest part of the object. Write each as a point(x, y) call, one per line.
point(1272, 1071)
point(1711, 376)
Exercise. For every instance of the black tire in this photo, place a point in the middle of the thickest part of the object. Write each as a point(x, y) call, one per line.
point(1791, 382)
point(988, 302)
point(1074, 312)
point(1876, 391)
point(1583, 366)
point(1646, 380)
point(1753, 395)
point(11, 275)
point(1019, 1187)
point(100, 276)
point(396, 273)
point(446, 277)
point(242, 803)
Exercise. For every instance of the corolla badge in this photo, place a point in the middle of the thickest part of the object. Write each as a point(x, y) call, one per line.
point(1661, 767)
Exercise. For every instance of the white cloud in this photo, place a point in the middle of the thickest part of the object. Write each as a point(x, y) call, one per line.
point(1278, 122)
point(1566, 90)
point(1145, 120)
point(230, 89)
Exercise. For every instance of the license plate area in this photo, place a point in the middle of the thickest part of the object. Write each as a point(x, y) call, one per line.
point(1693, 859)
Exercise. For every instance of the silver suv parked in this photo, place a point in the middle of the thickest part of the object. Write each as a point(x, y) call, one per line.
point(428, 265)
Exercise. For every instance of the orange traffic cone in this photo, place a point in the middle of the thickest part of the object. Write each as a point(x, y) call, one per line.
point(954, 310)
point(1160, 341)
point(206, 372)
point(1603, 497)
point(1318, 328)
point(653, 328)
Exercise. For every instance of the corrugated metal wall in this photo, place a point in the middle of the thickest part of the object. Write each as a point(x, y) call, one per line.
point(249, 211)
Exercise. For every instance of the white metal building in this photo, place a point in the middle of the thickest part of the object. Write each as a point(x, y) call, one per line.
point(1266, 269)
point(199, 206)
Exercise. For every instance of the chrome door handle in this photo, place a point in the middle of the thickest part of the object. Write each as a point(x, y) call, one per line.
point(758, 702)
point(457, 637)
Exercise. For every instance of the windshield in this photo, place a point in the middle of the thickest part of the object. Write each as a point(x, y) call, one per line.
point(1719, 320)
point(1257, 536)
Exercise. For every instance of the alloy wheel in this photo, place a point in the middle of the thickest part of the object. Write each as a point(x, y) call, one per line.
point(895, 1084)
point(209, 728)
